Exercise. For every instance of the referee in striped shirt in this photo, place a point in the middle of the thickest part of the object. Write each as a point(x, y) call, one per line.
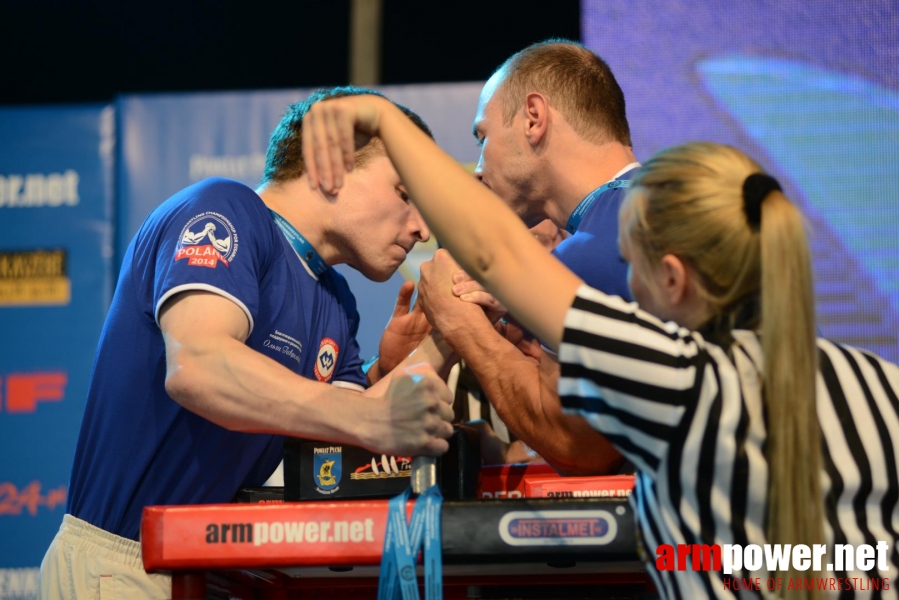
point(744, 428)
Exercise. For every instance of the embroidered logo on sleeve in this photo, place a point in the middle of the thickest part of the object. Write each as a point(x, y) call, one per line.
point(208, 239)
point(326, 359)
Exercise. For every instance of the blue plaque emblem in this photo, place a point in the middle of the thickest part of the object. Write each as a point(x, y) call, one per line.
point(327, 471)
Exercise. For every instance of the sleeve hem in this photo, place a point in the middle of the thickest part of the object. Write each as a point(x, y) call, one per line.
point(205, 288)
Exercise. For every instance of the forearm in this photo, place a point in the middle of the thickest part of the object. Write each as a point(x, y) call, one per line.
point(233, 386)
point(432, 350)
point(523, 392)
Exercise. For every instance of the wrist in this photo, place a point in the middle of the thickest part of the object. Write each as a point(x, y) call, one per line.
point(361, 427)
point(373, 370)
point(439, 353)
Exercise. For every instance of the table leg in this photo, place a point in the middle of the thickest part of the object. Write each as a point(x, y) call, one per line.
point(188, 585)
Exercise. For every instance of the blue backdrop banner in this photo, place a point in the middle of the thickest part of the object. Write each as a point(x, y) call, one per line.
point(55, 285)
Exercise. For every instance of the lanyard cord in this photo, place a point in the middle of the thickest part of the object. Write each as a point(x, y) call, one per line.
point(402, 542)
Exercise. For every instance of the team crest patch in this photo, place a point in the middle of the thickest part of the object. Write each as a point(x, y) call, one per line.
point(327, 467)
point(326, 359)
point(208, 239)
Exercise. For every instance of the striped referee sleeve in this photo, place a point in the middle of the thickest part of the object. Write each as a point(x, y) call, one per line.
point(640, 374)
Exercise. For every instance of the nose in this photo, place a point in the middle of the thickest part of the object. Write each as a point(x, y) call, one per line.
point(479, 169)
point(420, 230)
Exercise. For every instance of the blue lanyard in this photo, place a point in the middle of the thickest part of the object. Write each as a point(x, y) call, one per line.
point(402, 542)
point(300, 245)
point(575, 219)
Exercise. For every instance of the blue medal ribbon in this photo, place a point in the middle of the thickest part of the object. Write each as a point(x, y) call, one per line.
point(402, 542)
point(301, 245)
point(577, 216)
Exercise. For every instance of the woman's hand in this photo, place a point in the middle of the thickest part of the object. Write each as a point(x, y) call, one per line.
point(332, 132)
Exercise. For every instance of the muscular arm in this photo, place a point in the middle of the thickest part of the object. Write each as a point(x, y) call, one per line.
point(523, 392)
point(519, 379)
point(211, 372)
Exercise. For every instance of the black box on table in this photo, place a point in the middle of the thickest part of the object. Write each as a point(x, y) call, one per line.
point(325, 471)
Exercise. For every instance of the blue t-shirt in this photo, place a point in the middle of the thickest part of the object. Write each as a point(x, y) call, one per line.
point(592, 252)
point(137, 446)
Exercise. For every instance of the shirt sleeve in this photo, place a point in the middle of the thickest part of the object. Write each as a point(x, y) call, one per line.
point(631, 376)
point(214, 240)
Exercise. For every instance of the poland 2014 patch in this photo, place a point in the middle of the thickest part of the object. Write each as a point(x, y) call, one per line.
point(326, 359)
point(208, 239)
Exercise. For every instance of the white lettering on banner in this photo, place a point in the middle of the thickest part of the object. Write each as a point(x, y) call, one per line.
point(247, 166)
point(19, 583)
point(298, 532)
point(39, 189)
point(777, 557)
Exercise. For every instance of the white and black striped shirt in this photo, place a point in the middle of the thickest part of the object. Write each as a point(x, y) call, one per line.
point(692, 420)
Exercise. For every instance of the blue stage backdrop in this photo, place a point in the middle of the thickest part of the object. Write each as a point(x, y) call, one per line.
point(809, 89)
point(56, 251)
point(171, 141)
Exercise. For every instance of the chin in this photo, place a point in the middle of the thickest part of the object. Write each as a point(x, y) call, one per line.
point(377, 274)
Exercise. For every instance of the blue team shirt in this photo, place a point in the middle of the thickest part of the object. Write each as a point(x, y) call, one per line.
point(137, 446)
point(592, 252)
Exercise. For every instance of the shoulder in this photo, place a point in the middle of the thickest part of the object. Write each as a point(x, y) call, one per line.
point(230, 198)
point(842, 357)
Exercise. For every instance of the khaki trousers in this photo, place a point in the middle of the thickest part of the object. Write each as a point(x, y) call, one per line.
point(86, 562)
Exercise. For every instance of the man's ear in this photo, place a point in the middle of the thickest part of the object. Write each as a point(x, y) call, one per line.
point(673, 279)
point(536, 110)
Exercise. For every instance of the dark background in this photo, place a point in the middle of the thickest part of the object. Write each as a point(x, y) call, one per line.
point(91, 50)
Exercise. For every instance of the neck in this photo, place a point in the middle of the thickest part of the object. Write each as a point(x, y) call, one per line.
point(579, 169)
point(307, 210)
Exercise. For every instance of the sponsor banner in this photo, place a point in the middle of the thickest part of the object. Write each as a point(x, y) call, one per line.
point(558, 527)
point(508, 481)
point(34, 277)
point(56, 169)
point(19, 584)
point(608, 486)
point(171, 141)
point(313, 534)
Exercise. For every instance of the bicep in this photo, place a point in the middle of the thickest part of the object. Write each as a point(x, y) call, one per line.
point(197, 317)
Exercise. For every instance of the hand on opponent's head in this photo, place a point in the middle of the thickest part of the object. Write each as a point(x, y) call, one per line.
point(332, 132)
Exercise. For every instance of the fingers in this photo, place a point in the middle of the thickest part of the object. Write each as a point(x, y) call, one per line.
point(461, 277)
point(328, 144)
point(467, 287)
point(435, 447)
point(334, 157)
point(483, 299)
point(404, 299)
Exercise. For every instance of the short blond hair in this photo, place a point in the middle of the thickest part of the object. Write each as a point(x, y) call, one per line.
point(577, 83)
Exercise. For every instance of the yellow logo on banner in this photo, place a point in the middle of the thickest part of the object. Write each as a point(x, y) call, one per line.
point(36, 277)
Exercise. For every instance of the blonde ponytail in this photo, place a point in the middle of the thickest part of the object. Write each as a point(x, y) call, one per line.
point(688, 201)
point(788, 341)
